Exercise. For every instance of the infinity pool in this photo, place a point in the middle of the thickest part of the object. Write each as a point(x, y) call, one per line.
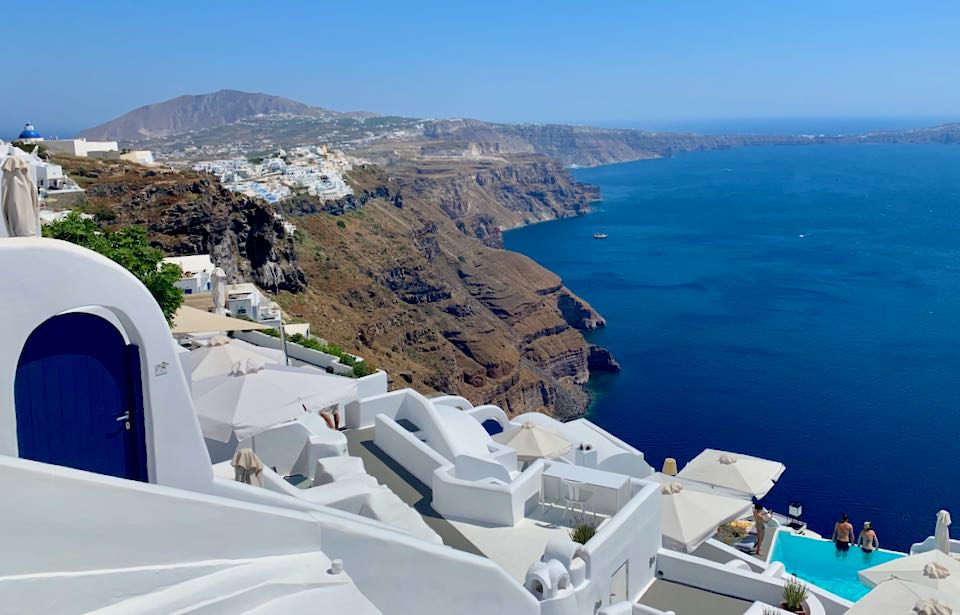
point(818, 562)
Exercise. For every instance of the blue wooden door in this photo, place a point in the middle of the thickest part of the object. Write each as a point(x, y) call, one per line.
point(78, 398)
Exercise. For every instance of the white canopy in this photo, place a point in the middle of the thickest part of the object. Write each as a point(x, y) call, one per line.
point(533, 441)
point(942, 532)
point(191, 320)
point(255, 398)
point(690, 517)
point(19, 202)
point(897, 597)
point(742, 473)
point(219, 356)
point(934, 569)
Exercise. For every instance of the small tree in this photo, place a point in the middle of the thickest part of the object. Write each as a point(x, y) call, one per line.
point(129, 248)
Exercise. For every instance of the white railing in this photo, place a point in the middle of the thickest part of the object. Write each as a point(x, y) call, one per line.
point(486, 502)
point(417, 458)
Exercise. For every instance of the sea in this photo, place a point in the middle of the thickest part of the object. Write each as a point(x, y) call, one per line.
point(799, 303)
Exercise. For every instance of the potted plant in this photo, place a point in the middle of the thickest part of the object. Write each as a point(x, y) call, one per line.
point(795, 597)
point(582, 532)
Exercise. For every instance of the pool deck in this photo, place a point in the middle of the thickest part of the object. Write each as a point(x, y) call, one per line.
point(685, 600)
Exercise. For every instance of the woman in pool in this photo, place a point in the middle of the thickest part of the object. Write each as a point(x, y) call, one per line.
point(868, 538)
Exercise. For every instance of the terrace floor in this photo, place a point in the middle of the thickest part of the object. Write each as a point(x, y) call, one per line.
point(684, 600)
point(407, 487)
point(516, 547)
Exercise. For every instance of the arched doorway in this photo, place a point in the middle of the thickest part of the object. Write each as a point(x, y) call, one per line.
point(78, 397)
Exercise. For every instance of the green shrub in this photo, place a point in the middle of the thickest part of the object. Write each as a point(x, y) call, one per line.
point(341, 224)
point(362, 369)
point(582, 532)
point(128, 247)
point(271, 332)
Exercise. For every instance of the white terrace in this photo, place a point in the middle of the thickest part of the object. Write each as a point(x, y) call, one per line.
point(117, 499)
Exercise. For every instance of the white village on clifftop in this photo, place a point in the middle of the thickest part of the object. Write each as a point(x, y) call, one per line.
point(315, 170)
point(226, 462)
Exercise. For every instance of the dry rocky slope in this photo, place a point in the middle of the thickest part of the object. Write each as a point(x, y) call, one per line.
point(405, 273)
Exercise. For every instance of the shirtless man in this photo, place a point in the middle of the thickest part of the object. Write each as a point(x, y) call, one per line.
point(760, 518)
point(868, 538)
point(843, 534)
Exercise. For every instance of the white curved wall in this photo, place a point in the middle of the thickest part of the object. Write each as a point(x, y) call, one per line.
point(50, 277)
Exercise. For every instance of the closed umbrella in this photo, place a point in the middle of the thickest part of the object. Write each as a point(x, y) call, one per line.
point(898, 597)
point(942, 533)
point(247, 467)
point(219, 356)
point(532, 441)
point(19, 201)
point(743, 473)
point(218, 281)
point(933, 569)
point(255, 397)
point(689, 517)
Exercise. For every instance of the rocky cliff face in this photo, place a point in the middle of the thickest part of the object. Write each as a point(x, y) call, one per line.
point(483, 197)
point(409, 281)
point(190, 213)
point(575, 145)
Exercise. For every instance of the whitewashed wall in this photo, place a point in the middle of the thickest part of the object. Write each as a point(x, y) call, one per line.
point(52, 277)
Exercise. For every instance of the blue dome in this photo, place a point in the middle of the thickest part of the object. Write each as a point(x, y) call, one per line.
point(29, 133)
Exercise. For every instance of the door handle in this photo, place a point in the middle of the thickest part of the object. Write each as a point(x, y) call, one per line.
point(123, 417)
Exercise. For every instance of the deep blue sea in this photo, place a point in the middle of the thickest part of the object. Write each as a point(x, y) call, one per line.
point(796, 303)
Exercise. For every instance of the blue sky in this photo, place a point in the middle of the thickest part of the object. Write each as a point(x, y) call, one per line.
point(638, 62)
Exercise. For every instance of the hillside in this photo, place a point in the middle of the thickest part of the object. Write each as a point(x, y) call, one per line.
point(230, 123)
point(411, 286)
point(190, 213)
point(198, 112)
point(404, 272)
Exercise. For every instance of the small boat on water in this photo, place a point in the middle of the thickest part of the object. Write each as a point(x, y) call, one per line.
point(600, 235)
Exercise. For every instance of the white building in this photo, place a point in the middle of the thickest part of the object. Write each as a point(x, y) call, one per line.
point(196, 273)
point(81, 147)
point(247, 300)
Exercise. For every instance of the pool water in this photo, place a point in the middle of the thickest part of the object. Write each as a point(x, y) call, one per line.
point(818, 562)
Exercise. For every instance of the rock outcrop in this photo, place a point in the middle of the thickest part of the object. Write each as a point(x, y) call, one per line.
point(190, 213)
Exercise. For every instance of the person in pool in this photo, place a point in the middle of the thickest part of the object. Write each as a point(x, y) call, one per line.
point(843, 533)
point(868, 538)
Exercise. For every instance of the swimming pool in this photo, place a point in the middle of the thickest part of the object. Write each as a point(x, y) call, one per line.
point(818, 562)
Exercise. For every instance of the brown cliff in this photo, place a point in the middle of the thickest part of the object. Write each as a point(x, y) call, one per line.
point(409, 282)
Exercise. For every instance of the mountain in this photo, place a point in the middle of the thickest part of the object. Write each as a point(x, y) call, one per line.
point(203, 111)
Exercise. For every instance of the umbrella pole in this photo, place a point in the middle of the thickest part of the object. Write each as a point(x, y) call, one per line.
point(283, 341)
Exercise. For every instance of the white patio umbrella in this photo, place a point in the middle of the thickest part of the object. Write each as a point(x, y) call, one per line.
point(191, 320)
point(690, 517)
point(532, 441)
point(743, 473)
point(219, 356)
point(897, 597)
point(218, 281)
point(942, 533)
point(255, 397)
point(934, 569)
point(19, 201)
